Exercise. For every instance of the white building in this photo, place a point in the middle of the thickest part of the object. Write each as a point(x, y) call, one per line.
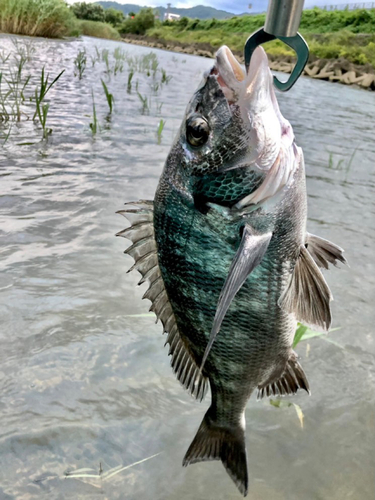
point(171, 17)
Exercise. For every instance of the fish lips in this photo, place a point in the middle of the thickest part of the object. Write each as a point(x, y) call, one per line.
point(254, 88)
point(253, 93)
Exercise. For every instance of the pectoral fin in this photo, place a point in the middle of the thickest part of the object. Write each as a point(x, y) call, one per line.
point(323, 251)
point(308, 295)
point(249, 254)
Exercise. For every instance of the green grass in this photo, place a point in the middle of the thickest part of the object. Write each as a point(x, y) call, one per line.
point(97, 29)
point(47, 18)
point(108, 96)
point(330, 34)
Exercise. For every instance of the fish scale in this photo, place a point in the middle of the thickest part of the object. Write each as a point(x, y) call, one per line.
point(224, 248)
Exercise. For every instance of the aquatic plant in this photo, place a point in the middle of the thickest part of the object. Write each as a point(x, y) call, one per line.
point(155, 86)
point(109, 97)
point(159, 105)
point(119, 54)
point(105, 59)
point(80, 63)
point(42, 111)
point(144, 101)
point(118, 66)
point(164, 77)
point(97, 29)
point(47, 18)
point(130, 77)
point(94, 124)
point(24, 48)
point(4, 56)
point(44, 88)
point(160, 130)
point(16, 93)
point(20, 63)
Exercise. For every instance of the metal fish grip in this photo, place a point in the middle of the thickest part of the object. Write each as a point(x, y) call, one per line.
point(282, 22)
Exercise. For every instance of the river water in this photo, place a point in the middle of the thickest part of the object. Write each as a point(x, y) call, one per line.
point(85, 382)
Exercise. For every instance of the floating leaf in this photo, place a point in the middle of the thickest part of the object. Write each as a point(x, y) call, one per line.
point(300, 414)
point(79, 473)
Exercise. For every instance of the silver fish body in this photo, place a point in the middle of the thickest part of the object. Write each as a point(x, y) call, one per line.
point(225, 249)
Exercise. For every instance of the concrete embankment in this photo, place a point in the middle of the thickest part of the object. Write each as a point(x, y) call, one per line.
point(334, 70)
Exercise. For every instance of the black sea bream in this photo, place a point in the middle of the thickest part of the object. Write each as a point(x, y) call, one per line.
point(225, 251)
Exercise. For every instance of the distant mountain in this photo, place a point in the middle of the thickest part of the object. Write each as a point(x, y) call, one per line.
point(197, 12)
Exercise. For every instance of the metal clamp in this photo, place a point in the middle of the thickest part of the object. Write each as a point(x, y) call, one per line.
point(282, 22)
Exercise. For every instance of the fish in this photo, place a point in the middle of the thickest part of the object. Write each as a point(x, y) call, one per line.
point(225, 251)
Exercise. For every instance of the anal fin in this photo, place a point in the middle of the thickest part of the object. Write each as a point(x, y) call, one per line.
point(291, 379)
point(308, 295)
point(324, 252)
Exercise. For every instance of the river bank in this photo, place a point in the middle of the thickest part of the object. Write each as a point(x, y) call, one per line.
point(334, 70)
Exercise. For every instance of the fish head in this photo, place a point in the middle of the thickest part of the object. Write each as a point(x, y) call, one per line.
point(233, 121)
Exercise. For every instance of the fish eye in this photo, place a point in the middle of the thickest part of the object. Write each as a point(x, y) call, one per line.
point(197, 130)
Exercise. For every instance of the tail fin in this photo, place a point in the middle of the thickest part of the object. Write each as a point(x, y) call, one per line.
point(213, 442)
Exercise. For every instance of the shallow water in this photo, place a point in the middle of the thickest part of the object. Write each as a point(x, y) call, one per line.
point(84, 381)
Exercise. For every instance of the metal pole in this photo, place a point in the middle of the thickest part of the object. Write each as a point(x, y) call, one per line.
point(283, 17)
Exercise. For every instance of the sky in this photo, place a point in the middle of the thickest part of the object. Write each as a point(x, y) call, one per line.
point(237, 7)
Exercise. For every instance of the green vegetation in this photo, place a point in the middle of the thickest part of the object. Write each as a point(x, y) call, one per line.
point(109, 96)
point(95, 12)
point(20, 101)
point(42, 109)
point(94, 126)
point(160, 130)
point(330, 34)
point(80, 63)
point(141, 22)
point(48, 18)
point(99, 30)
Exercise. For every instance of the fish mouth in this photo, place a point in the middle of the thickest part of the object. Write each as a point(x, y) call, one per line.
point(255, 86)
point(252, 92)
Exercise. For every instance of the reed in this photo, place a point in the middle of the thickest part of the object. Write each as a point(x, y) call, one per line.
point(160, 130)
point(130, 78)
point(80, 63)
point(47, 18)
point(164, 77)
point(145, 105)
point(41, 111)
point(97, 29)
point(109, 97)
point(94, 126)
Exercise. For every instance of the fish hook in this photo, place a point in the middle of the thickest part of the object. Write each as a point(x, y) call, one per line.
point(282, 21)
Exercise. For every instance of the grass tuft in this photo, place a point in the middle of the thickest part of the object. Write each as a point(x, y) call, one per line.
point(47, 18)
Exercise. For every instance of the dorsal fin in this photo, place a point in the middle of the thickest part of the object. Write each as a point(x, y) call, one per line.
point(285, 381)
point(144, 252)
point(308, 295)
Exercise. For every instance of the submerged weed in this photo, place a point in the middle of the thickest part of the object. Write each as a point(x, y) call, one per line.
point(164, 77)
point(80, 63)
point(4, 56)
point(105, 59)
point(145, 105)
point(342, 164)
point(130, 77)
